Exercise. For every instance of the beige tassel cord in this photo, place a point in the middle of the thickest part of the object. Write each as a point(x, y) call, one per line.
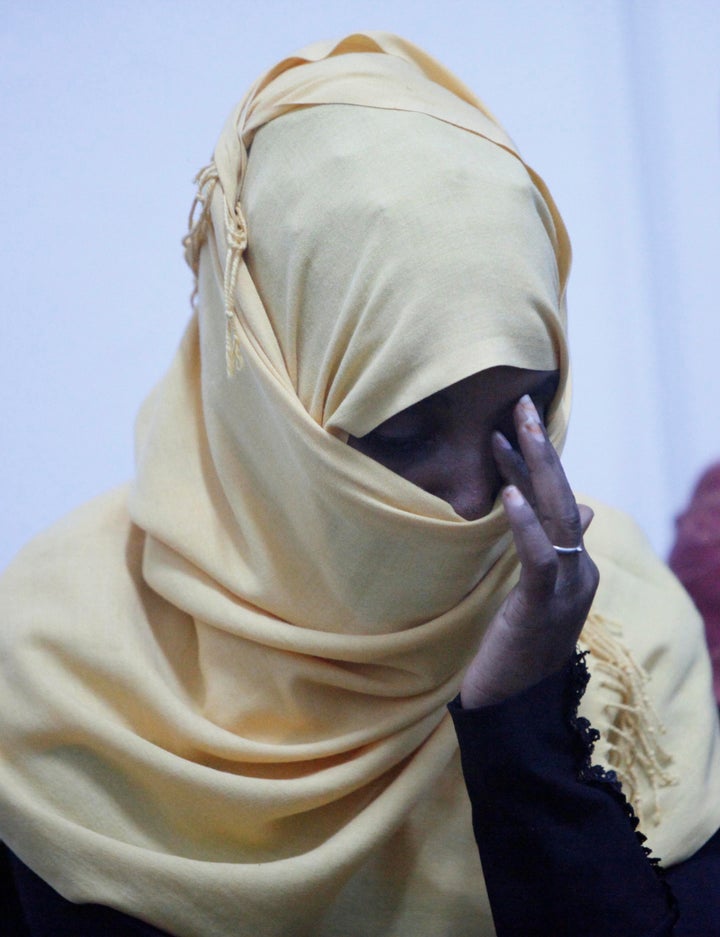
point(633, 728)
point(236, 237)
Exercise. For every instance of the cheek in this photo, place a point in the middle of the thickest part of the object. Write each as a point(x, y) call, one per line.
point(463, 475)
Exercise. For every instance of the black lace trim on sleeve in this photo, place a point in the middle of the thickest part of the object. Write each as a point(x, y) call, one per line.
point(595, 775)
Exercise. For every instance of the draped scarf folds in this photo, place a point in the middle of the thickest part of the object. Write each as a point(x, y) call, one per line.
point(226, 702)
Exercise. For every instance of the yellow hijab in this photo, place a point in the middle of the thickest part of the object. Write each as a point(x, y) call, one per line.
point(224, 692)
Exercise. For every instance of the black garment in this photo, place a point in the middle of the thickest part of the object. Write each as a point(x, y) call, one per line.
point(556, 836)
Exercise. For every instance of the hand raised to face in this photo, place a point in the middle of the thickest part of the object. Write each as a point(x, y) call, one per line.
point(536, 628)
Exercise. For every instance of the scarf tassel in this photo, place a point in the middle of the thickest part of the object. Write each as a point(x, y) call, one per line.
point(199, 224)
point(633, 728)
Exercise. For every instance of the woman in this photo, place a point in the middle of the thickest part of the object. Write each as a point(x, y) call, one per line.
point(226, 704)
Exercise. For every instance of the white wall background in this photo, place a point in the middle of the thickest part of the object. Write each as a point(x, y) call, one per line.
point(107, 109)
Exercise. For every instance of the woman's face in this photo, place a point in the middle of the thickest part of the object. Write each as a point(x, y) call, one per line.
point(442, 444)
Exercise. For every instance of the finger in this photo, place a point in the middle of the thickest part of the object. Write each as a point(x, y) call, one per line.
point(511, 465)
point(553, 499)
point(586, 516)
point(538, 560)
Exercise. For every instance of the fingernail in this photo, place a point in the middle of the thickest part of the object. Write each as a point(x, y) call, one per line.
point(530, 416)
point(529, 410)
point(501, 440)
point(513, 496)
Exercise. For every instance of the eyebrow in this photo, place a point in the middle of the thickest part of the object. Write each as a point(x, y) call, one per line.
point(544, 390)
point(440, 397)
point(546, 386)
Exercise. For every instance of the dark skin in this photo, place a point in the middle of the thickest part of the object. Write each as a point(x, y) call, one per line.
point(466, 444)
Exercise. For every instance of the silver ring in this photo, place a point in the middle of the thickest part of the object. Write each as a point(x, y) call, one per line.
point(566, 551)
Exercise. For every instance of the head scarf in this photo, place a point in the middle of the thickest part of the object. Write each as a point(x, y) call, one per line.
point(227, 701)
point(695, 558)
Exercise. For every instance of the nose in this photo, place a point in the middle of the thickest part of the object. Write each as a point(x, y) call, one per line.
point(473, 482)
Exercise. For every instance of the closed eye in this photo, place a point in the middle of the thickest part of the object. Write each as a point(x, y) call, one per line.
point(391, 444)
